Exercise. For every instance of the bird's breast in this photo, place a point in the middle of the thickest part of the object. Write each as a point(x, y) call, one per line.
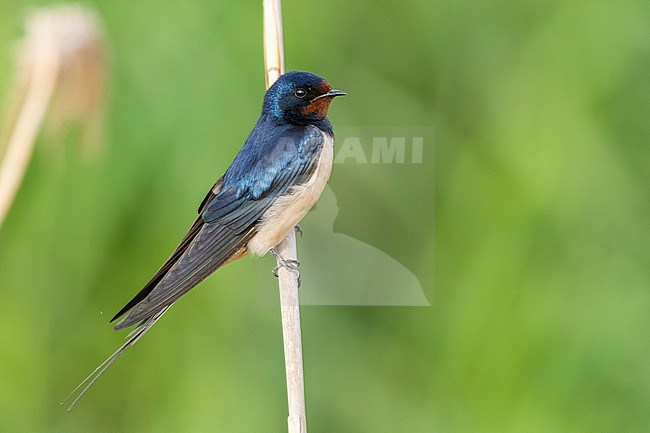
point(287, 211)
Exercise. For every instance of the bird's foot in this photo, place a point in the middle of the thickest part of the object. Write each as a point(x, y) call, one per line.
point(298, 230)
point(290, 264)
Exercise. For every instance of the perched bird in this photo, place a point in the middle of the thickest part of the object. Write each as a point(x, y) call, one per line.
point(275, 179)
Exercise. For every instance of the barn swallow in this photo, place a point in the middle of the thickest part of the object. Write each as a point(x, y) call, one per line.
point(274, 180)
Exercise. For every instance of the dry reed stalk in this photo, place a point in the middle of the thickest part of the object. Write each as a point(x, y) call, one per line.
point(287, 280)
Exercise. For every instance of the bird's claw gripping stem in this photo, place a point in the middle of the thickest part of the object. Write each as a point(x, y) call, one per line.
point(290, 264)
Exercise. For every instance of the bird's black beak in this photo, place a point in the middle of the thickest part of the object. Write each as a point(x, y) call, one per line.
point(330, 94)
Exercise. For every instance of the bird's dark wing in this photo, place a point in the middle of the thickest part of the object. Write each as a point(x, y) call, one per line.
point(227, 221)
point(212, 247)
point(173, 258)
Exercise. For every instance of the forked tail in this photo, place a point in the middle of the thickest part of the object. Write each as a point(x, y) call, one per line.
point(132, 338)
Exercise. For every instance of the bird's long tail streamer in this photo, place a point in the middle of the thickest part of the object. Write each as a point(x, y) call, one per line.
point(132, 338)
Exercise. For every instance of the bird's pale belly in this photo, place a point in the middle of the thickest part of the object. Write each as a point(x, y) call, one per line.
point(287, 211)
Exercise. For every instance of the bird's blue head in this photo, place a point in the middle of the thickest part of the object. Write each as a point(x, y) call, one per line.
point(299, 97)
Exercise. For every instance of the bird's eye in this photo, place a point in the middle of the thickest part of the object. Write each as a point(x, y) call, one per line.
point(300, 93)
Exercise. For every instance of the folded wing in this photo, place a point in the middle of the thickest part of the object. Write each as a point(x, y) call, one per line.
point(226, 223)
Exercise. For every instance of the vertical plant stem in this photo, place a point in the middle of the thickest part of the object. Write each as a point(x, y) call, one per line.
point(287, 280)
point(273, 44)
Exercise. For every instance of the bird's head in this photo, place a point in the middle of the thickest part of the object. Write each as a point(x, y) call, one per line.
point(300, 97)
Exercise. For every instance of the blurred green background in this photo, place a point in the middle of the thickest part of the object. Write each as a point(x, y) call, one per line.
point(535, 201)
